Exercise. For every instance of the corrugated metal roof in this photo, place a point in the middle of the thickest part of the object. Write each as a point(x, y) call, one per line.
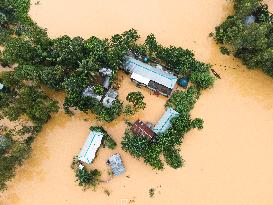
point(165, 122)
point(90, 147)
point(116, 164)
point(149, 72)
point(140, 128)
point(140, 78)
point(1, 86)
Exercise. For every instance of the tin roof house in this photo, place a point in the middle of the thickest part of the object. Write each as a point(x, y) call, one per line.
point(109, 98)
point(165, 121)
point(155, 78)
point(90, 147)
point(107, 74)
point(116, 164)
point(142, 129)
point(110, 95)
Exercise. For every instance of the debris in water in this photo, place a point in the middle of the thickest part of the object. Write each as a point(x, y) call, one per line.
point(216, 74)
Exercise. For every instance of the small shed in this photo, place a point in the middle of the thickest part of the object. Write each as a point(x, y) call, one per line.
point(116, 164)
point(90, 147)
point(109, 98)
point(165, 121)
point(142, 129)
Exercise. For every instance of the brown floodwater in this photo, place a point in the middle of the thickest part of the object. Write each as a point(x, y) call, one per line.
point(228, 162)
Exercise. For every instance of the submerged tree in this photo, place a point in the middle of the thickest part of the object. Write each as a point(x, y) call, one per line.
point(247, 34)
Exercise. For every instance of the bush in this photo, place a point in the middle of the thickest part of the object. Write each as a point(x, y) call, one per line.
point(88, 179)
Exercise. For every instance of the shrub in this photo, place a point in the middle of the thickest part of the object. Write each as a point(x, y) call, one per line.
point(88, 179)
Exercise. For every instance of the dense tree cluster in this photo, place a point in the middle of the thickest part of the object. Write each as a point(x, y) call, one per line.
point(248, 34)
point(166, 144)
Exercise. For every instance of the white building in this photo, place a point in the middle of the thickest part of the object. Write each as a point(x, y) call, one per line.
point(90, 147)
point(154, 78)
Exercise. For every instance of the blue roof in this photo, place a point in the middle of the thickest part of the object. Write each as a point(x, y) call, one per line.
point(165, 122)
point(149, 72)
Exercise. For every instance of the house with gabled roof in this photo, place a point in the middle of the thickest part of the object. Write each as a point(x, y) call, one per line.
point(90, 147)
point(165, 121)
point(116, 164)
point(155, 78)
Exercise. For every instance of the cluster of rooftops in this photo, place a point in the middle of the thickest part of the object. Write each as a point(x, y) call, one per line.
point(153, 77)
point(89, 149)
point(141, 129)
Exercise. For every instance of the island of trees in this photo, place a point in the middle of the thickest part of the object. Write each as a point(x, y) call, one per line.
point(248, 35)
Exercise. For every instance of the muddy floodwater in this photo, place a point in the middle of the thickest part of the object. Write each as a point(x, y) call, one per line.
point(229, 162)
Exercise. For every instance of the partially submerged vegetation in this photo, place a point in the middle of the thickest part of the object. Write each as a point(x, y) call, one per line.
point(73, 64)
point(166, 144)
point(19, 100)
point(248, 35)
point(85, 178)
point(136, 100)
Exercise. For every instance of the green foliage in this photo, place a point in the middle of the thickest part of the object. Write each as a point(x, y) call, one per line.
point(166, 143)
point(197, 123)
point(29, 101)
point(9, 162)
point(86, 178)
point(107, 139)
point(224, 51)
point(3, 19)
point(128, 110)
point(137, 99)
point(99, 90)
point(173, 158)
point(183, 102)
point(245, 7)
point(252, 43)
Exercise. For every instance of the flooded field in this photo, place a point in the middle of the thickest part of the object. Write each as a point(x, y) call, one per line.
point(228, 162)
